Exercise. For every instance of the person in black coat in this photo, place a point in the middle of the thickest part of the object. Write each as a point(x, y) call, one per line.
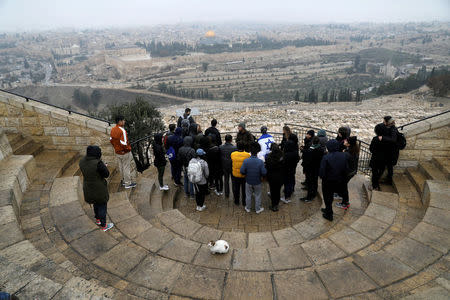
point(95, 187)
point(176, 142)
point(186, 116)
point(213, 159)
point(389, 138)
point(290, 159)
point(311, 165)
point(334, 169)
point(225, 154)
point(275, 168)
point(185, 154)
point(159, 159)
point(214, 132)
point(352, 148)
point(379, 152)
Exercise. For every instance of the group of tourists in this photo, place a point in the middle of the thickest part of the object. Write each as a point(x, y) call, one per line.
point(207, 164)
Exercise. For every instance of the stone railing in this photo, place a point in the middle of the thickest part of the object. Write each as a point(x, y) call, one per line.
point(55, 128)
point(425, 139)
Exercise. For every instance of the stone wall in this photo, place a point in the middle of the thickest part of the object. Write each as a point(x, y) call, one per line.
point(54, 128)
point(5, 148)
point(426, 139)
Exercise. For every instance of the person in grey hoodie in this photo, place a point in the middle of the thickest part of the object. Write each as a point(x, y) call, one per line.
point(225, 154)
point(185, 154)
point(253, 168)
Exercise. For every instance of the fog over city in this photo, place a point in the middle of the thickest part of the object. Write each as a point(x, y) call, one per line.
point(49, 14)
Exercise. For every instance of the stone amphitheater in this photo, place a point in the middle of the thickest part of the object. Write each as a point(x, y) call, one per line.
point(391, 244)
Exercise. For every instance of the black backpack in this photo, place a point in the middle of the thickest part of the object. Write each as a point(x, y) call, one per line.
point(401, 141)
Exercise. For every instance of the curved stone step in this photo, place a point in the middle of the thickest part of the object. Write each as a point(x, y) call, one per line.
point(431, 171)
point(443, 164)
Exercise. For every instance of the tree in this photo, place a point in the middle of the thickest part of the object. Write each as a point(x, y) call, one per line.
point(297, 96)
point(162, 86)
point(26, 65)
point(358, 96)
point(95, 97)
point(205, 66)
point(142, 119)
point(325, 96)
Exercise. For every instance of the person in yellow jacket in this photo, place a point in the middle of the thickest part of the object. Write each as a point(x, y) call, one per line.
point(238, 180)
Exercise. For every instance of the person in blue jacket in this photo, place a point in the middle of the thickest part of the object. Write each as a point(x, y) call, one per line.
point(253, 169)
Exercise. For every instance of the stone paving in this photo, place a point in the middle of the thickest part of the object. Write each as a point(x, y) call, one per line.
point(391, 247)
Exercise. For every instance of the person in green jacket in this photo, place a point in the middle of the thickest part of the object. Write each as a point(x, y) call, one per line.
point(95, 187)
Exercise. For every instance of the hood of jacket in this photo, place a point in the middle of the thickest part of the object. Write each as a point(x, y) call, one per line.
point(188, 141)
point(321, 133)
point(94, 151)
point(333, 146)
point(193, 129)
point(178, 131)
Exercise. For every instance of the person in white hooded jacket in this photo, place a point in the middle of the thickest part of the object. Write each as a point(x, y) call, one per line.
point(265, 140)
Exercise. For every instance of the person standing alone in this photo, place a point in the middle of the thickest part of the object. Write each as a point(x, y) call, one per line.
point(119, 140)
point(95, 187)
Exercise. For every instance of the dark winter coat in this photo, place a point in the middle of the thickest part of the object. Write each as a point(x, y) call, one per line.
point(216, 133)
point(353, 164)
point(190, 118)
point(275, 167)
point(225, 154)
point(390, 136)
point(311, 160)
point(246, 138)
point(334, 166)
point(290, 158)
point(186, 152)
point(95, 187)
point(197, 140)
point(292, 137)
point(175, 141)
point(379, 152)
point(159, 155)
point(253, 169)
point(213, 159)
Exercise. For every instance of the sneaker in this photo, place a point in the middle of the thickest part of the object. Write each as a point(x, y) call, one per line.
point(107, 227)
point(177, 184)
point(246, 209)
point(131, 185)
point(199, 208)
point(164, 188)
point(122, 183)
point(284, 200)
point(268, 194)
point(221, 193)
point(217, 193)
point(308, 200)
point(343, 205)
point(260, 210)
point(97, 222)
point(203, 207)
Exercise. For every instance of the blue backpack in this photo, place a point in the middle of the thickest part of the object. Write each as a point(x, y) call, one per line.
point(171, 153)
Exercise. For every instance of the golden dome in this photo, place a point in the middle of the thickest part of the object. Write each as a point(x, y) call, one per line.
point(210, 34)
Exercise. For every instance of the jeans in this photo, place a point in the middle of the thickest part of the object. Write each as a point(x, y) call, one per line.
point(328, 190)
point(218, 182)
point(289, 184)
point(275, 191)
point(238, 188)
point(312, 179)
point(200, 193)
point(175, 167)
point(188, 186)
point(377, 172)
point(100, 213)
point(226, 177)
point(253, 189)
point(161, 175)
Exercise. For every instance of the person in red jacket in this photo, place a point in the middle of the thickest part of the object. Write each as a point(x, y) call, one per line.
point(119, 140)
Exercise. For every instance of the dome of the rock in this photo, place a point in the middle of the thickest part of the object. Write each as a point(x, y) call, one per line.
point(210, 34)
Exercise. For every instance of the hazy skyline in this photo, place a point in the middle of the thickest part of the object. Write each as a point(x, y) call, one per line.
point(23, 15)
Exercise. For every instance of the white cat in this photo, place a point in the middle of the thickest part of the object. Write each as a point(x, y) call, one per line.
point(219, 246)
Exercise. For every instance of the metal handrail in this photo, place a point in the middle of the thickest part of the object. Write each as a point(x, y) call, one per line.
point(426, 118)
point(56, 106)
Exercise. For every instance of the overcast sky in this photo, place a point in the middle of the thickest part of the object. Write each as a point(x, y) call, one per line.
point(48, 14)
